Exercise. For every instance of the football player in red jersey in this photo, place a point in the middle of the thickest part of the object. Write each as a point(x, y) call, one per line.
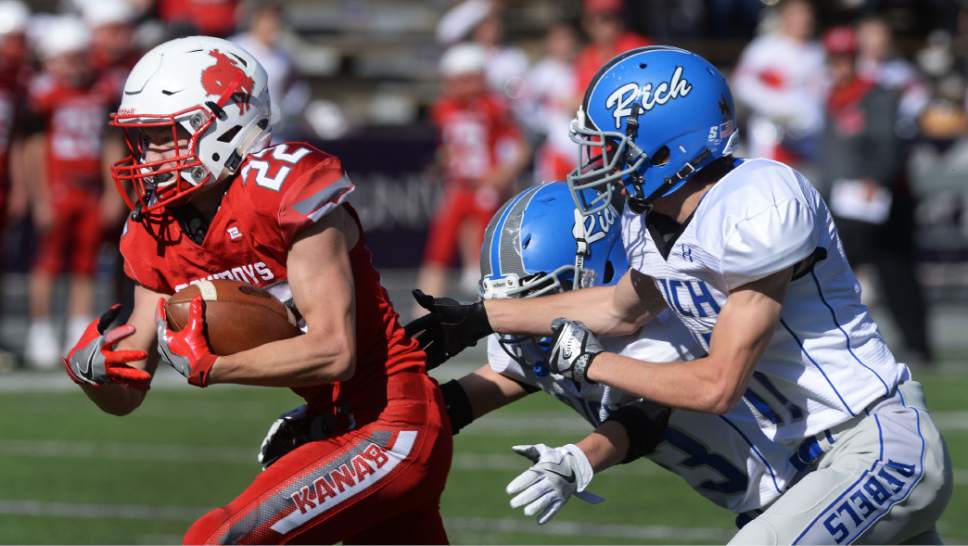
point(71, 194)
point(209, 200)
point(482, 151)
point(14, 73)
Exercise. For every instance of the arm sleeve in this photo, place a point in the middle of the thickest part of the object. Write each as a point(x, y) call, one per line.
point(312, 196)
point(645, 424)
point(769, 241)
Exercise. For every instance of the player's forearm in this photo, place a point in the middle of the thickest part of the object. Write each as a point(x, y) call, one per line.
point(698, 385)
point(487, 390)
point(606, 447)
point(301, 361)
point(533, 316)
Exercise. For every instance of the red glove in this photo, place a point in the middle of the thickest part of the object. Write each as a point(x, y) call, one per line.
point(94, 361)
point(186, 350)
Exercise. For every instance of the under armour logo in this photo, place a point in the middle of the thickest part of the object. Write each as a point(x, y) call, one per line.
point(234, 233)
point(686, 253)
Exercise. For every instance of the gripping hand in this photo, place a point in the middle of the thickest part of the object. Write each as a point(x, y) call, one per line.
point(94, 360)
point(556, 475)
point(186, 350)
point(573, 348)
point(449, 328)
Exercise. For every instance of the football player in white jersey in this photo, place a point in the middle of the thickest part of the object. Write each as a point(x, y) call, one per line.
point(746, 254)
point(527, 252)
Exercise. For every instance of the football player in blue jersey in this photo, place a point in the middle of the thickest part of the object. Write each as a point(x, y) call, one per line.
point(746, 254)
point(538, 243)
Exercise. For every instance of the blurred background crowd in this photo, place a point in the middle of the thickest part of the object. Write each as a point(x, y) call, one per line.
point(441, 109)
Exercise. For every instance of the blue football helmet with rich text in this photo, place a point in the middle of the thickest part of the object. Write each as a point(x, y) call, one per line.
point(539, 243)
point(651, 118)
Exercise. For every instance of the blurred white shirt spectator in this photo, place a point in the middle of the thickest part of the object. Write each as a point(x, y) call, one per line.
point(781, 79)
point(288, 93)
point(479, 21)
point(549, 91)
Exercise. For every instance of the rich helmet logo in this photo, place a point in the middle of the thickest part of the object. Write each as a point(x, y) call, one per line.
point(594, 227)
point(649, 96)
point(226, 76)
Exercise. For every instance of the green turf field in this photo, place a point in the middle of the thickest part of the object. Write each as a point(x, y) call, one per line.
point(71, 474)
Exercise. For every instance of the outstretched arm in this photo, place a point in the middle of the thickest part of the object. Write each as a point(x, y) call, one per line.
point(615, 310)
point(713, 383)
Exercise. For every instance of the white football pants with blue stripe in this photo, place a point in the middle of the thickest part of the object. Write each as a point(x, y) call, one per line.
point(885, 478)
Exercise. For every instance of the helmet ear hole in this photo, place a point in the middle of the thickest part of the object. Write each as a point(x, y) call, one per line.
point(609, 272)
point(661, 156)
point(228, 135)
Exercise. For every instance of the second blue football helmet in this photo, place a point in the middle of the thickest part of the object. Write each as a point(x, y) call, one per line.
point(650, 119)
point(539, 243)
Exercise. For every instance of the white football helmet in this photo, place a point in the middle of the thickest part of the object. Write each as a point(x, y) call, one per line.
point(211, 88)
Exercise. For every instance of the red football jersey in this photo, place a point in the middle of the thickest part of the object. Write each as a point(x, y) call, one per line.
point(10, 93)
point(73, 119)
point(279, 192)
point(473, 134)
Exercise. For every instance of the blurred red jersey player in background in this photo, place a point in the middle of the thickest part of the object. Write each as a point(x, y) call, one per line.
point(482, 152)
point(66, 151)
point(14, 74)
point(210, 200)
point(13, 77)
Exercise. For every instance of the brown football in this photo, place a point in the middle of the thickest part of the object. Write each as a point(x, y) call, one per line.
point(238, 316)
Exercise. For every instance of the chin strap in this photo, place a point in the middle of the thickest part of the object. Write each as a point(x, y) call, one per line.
point(582, 250)
point(640, 205)
point(136, 214)
point(636, 201)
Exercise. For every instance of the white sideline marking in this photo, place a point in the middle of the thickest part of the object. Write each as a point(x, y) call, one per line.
point(470, 525)
point(558, 528)
point(58, 449)
point(98, 511)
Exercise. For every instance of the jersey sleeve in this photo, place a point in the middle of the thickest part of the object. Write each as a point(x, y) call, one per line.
point(501, 362)
point(769, 241)
point(136, 248)
point(310, 197)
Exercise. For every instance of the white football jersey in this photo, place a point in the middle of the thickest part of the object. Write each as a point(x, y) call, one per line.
point(826, 361)
point(724, 458)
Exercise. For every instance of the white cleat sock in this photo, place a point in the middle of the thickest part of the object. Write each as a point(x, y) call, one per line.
point(42, 348)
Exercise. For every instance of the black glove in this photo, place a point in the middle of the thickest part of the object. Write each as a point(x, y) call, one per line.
point(449, 328)
point(291, 430)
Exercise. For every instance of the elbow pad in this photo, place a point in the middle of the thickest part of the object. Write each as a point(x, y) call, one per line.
point(458, 405)
point(645, 424)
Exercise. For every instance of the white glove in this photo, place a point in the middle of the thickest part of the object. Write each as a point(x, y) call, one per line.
point(558, 473)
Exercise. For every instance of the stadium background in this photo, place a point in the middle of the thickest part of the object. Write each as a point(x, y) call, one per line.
point(70, 474)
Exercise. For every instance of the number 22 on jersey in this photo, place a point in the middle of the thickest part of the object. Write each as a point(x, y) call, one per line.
point(259, 164)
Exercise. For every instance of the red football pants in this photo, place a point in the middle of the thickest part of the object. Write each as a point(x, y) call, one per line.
point(458, 206)
point(75, 234)
point(379, 484)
